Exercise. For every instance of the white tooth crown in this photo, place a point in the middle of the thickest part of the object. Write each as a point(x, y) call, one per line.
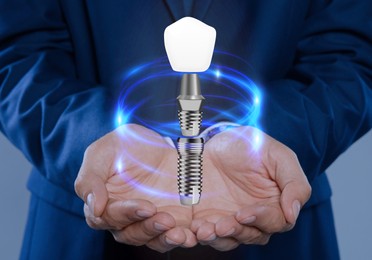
point(189, 44)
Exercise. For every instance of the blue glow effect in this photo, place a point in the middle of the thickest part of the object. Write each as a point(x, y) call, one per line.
point(144, 85)
point(121, 118)
point(256, 100)
point(257, 140)
point(218, 73)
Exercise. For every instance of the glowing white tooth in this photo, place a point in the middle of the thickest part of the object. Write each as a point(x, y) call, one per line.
point(189, 44)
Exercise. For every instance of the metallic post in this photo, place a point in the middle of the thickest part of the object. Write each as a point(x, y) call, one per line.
point(190, 101)
point(190, 168)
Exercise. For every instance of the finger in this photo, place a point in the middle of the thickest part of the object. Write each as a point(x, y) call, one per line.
point(293, 198)
point(190, 240)
point(120, 214)
point(142, 232)
point(293, 183)
point(205, 231)
point(195, 224)
point(90, 185)
point(269, 219)
point(206, 234)
point(226, 226)
point(93, 221)
point(251, 236)
point(173, 238)
point(230, 227)
point(231, 234)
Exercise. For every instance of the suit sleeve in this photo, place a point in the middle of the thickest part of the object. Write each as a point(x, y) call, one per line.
point(45, 110)
point(325, 102)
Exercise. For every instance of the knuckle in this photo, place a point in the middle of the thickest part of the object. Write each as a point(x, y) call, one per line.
point(308, 190)
point(291, 153)
point(78, 184)
point(90, 149)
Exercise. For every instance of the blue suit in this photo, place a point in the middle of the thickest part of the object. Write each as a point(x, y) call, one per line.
point(60, 67)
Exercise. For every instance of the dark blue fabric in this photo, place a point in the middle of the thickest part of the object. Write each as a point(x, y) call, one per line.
point(61, 64)
point(52, 233)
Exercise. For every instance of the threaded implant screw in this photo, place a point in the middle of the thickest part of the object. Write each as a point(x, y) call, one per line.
point(190, 122)
point(190, 169)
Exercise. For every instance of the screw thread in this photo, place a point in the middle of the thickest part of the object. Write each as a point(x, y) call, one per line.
point(190, 169)
point(190, 122)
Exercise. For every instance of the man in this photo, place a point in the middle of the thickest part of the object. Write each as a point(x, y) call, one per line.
point(60, 71)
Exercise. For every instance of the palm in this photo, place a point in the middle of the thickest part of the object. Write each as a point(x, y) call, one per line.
point(135, 165)
point(235, 176)
point(145, 167)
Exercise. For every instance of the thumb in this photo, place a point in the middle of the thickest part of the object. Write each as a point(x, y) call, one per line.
point(293, 198)
point(91, 188)
point(294, 185)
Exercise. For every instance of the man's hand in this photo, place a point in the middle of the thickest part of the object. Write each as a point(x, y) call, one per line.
point(128, 182)
point(253, 186)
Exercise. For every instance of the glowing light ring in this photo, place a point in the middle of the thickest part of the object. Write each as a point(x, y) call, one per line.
point(221, 76)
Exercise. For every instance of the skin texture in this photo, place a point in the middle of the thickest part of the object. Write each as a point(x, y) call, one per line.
point(133, 216)
point(255, 181)
point(248, 193)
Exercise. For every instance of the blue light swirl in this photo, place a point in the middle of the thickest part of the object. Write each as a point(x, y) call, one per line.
point(235, 87)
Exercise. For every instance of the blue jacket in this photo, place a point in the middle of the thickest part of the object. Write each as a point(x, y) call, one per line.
point(61, 64)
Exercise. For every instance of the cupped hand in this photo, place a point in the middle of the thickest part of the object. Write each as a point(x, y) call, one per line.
point(253, 186)
point(128, 183)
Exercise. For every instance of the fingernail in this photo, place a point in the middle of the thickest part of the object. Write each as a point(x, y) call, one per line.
point(144, 213)
point(90, 202)
point(160, 227)
point(248, 220)
point(228, 233)
point(170, 241)
point(296, 206)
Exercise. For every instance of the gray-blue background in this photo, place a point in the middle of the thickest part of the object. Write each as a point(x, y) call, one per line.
point(350, 175)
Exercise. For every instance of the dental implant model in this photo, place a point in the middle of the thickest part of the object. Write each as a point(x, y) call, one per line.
point(189, 44)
